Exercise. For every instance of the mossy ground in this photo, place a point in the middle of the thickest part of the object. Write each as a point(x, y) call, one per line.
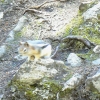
point(88, 30)
point(46, 90)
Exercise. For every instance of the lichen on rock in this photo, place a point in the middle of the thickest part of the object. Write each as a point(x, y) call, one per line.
point(42, 80)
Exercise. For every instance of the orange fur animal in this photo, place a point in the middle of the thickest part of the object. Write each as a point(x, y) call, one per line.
point(35, 50)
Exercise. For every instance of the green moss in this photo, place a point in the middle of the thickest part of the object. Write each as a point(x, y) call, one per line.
point(94, 93)
point(21, 33)
point(74, 25)
point(48, 90)
point(30, 95)
point(2, 0)
point(90, 55)
point(87, 30)
point(68, 76)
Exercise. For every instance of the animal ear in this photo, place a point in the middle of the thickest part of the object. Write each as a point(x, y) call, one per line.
point(26, 44)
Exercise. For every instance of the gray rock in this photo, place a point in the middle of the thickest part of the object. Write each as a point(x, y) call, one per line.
point(2, 50)
point(19, 57)
point(96, 62)
point(94, 82)
point(20, 24)
point(74, 60)
point(1, 95)
point(10, 36)
point(29, 73)
point(73, 82)
point(84, 6)
point(91, 14)
point(42, 80)
point(1, 15)
point(18, 28)
point(96, 49)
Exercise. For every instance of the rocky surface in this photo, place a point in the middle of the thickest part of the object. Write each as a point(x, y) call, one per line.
point(9, 19)
point(92, 83)
point(74, 60)
point(47, 78)
point(92, 13)
point(44, 79)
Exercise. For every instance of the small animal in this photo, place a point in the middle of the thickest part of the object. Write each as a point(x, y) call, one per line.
point(97, 49)
point(35, 50)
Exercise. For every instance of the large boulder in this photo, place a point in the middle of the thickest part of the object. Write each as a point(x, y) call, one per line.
point(93, 13)
point(43, 80)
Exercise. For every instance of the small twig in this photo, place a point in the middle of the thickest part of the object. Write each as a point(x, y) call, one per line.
point(39, 6)
point(32, 10)
point(52, 39)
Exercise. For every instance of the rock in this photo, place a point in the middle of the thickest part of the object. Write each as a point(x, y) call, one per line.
point(1, 95)
point(93, 83)
point(18, 28)
point(20, 24)
point(73, 82)
point(40, 81)
point(84, 6)
point(91, 14)
point(19, 57)
point(2, 50)
point(29, 73)
point(9, 39)
point(96, 62)
point(74, 60)
point(1, 15)
point(96, 49)
point(11, 36)
point(13, 89)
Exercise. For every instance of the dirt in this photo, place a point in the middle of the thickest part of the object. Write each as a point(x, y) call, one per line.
point(55, 15)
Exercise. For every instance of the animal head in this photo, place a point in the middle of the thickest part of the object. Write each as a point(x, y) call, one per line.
point(26, 49)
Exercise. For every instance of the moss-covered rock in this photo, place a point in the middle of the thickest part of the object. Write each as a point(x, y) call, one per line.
point(43, 80)
point(87, 29)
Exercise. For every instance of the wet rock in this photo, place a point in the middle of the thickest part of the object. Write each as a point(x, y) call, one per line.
point(74, 60)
